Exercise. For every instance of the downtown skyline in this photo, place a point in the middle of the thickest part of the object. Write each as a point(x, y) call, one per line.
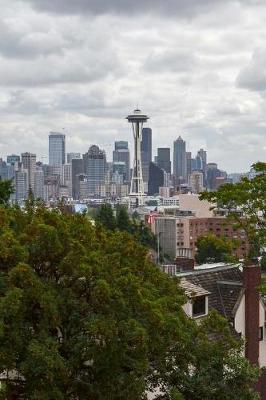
point(196, 68)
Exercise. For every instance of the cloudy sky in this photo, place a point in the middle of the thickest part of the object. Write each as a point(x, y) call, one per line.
point(196, 67)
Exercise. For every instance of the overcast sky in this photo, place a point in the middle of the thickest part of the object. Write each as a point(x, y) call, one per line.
point(196, 67)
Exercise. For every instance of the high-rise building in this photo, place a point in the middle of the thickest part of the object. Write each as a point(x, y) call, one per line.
point(189, 162)
point(203, 155)
point(67, 177)
point(212, 173)
point(39, 183)
point(6, 170)
point(71, 156)
point(51, 187)
point(29, 163)
point(57, 151)
point(163, 159)
point(12, 159)
point(146, 152)
point(119, 172)
point(195, 180)
point(156, 179)
point(122, 154)
point(77, 170)
point(95, 168)
point(21, 185)
point(180, 160)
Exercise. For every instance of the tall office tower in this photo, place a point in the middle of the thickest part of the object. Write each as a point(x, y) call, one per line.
point(77, 169)
point(4, 170)
point(121, 154)
point(21, 184)
point(118, 172)
point(203, 155)
point(51, 187)
point(163, 159)
point(95, 168)
point(212, 172)
point(180, 160)
point(39, 183)
point(57, 150)
point(67, 178)
point(189, 162)
point(12, 159)
point(71, 156)
point(137, 120)
point(156, 179)
point(29, 163)
point(198, 163)
point(195, 180)
point(146, 153)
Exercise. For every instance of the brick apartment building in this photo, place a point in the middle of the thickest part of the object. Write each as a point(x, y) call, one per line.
point(178, 233)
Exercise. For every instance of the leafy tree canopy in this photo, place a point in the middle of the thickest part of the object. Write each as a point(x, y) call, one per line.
point(245, 202)
point(122, 222)
point(84, 315)
point(6, 189)
point(211, 248)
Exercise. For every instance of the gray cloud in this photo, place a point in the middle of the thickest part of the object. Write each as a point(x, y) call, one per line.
point(178, 7)
point(83, 65)
point(253, 75)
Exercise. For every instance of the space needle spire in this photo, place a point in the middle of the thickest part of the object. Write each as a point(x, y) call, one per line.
point(137, 187)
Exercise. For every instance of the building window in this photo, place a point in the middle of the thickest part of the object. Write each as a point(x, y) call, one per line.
point(260, 333)
point(199, 306)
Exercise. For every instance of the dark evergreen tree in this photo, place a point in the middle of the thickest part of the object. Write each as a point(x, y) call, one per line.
point(6, 189)
point(105, 217)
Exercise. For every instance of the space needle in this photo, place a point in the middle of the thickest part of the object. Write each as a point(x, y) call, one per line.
point(136, 194)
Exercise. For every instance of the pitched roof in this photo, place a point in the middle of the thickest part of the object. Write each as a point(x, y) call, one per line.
point(224, 284)
point(192, 290)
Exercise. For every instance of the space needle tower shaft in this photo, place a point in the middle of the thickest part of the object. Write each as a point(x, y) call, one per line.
point(137, 187)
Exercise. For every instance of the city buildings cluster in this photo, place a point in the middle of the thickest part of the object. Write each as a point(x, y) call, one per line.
point(92, 176)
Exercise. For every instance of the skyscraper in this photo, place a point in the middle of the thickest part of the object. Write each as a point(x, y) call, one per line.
point(195, 180)
point(95, 168)
point(180, 160)
point(121, 154)
point(21, 184)
point(39, 183)
point(146, 152)
point(77, 169)
point(71, 156)
point(189, 162)
point(163, 159)
point(212, 172)
point(29, 163)
point(203, 155)
point(12, 159)
point(57, 151)
point(156, 179)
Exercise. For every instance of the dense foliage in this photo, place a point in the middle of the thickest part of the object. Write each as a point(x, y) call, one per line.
point(121, 221)
point(245, 203)
point(6, 189)
point(84, 315)
point(211, 248)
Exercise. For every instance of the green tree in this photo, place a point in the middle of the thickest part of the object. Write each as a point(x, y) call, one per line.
point(6, 189)
point(123, 221)
point(245, 203)
point(217, 369)
point(211, 248)
point(84, 315)
point(105, 217)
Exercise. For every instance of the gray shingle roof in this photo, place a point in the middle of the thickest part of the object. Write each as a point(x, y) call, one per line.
point(224, 284)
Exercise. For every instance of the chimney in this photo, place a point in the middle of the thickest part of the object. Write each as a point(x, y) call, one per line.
point(252, 279)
